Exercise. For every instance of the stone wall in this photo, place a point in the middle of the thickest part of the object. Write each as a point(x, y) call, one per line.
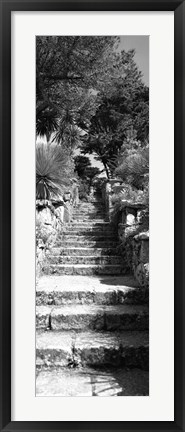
point(133, 233)
point(51, 216)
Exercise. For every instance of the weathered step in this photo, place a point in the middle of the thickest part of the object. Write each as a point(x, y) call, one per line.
point(98, 260)
point(92, 209)
point(130, 349)
point(54, 348)
point(90, 205)
point(84, 218)
point(88, 224)
point(83, 269)
point(87, 251)
point(89, 208)
point(86, 243)
point(95, 228)
point(107, 290)
point(89, 211)
point(94, 317)
point(89, 217)
point(96, 203)
point(87, 236)
point(92, 382)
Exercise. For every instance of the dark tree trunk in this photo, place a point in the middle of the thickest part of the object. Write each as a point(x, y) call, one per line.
point(106, 170)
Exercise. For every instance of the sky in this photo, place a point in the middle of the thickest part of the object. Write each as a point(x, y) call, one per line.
point(141, 46)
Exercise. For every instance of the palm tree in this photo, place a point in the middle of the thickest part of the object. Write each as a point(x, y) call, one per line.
point(46, 122)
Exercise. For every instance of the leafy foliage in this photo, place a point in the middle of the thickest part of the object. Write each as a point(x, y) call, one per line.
point(123, 108)
point(128, 193)
point(134, 168)
point(91, 173)
point(86, 172)
point(81, 164)
point(83, 191)
point(68, 69)
point(91, 95)
point(47, 122)
point(53, 170)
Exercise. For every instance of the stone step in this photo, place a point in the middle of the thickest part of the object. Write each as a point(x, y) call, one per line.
point(126, 349)
point(85, 237)
point(98, 260)
point(93, 209)
point(93, 317)
point(89, 209)
point(89, 219)
point(83, 269)
point(89, 205)
point(102, 217)
point(92, 382)
point(88, 228)
point(87, 251)
point(105, 290)
point(94, 223)
point(81, 219)
point(86, 243)
point(87, 232)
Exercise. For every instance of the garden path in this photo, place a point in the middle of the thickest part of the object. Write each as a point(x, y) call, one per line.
point(92, 320)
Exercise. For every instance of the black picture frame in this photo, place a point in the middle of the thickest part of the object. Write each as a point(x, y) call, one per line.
point(6, 7)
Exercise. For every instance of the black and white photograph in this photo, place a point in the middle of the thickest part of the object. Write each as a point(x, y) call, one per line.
point(92, 216)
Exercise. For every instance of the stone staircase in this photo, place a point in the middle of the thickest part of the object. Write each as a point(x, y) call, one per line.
point(91, 319)
point(86, 236)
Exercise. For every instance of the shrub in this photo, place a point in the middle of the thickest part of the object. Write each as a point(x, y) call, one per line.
point(129, 193)
point(98, 184)
point(83, 191)
point(134, 169)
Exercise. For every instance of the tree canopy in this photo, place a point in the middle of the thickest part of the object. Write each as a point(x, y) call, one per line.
point(91, 95)
point(124, 107)
point(70, 70)
point(86, 172)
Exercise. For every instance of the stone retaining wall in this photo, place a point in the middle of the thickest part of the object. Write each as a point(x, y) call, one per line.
point(51, 216)
point(133, 233)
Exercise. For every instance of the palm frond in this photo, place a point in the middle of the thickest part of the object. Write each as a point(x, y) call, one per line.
point(46, 122)
point(52, 170)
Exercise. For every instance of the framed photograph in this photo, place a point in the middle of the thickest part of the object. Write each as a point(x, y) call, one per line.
point(92, 134)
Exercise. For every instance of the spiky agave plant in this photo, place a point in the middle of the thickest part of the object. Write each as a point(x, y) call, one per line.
point(52, 170)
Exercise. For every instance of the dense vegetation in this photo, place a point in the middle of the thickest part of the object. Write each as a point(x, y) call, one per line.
point(90, 96)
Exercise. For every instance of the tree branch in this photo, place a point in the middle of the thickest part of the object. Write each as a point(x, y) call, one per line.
point(61, 77)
